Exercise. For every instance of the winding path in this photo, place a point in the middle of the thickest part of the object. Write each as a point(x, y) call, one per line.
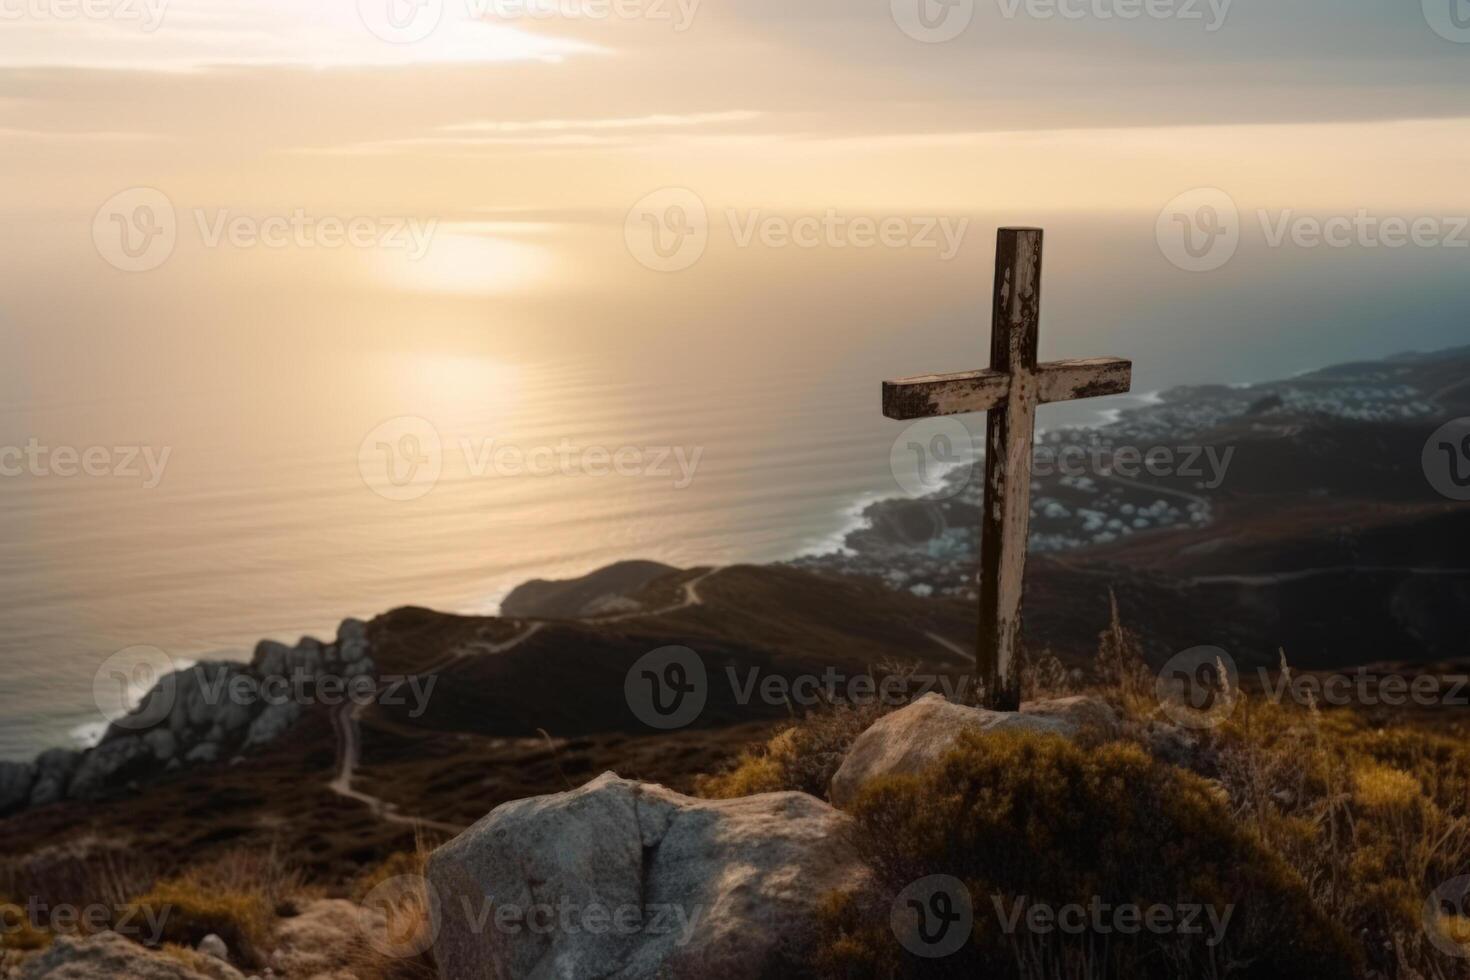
point(349, 735)
point(349, 750)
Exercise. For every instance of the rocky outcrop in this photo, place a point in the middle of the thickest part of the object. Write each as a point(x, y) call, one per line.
point(917, 736)
point(54, 770)
point(113, 763)
point(16, 780)
point(106, 954)
point(620, 879)
point(197, 716)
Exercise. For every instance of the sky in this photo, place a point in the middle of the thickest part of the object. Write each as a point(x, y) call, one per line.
point(534, 110)
point(530, 180)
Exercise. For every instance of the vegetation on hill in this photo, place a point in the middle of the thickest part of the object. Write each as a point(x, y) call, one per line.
point(1325, 833)
point(1321, 834)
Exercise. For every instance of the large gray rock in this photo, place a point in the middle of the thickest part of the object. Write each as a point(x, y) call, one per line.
point(307, 657)
point(915, 737)
point(109, 765)
point(54, 769)
point(270, 658)
point(162, 743)
point(16, 780)
point(626, 880)
point(106, 954)
point(352, 641)
point(275, 721)
point(209, 695)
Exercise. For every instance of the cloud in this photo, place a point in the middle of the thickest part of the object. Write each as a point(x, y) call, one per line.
point(657, 121)
point(546, 134)
point(196, 35)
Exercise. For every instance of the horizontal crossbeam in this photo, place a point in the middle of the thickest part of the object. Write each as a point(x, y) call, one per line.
point(928, 395)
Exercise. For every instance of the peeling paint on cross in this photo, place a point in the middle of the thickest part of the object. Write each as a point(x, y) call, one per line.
point(1009, 391)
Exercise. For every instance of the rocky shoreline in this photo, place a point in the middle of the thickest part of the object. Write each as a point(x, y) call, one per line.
point(1270, 437)
point(205, 714)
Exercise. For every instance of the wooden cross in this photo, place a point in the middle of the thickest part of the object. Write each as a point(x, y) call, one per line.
point(1009, 391)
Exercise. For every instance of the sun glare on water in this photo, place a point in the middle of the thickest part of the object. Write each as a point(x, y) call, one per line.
point(459, 260)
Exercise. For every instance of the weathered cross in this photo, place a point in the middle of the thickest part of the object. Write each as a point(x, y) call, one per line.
point(1009, 391)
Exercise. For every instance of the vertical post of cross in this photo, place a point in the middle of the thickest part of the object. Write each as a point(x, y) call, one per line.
point(1006, 519)
point(1009, 390)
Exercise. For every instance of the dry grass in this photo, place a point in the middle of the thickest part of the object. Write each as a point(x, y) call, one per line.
point(1037, 819)
point(18, 933)
point(189, 908)
point(802, 757)
point(81, 872)
point(1372, 819)
point(398, 890)
point(1360, 823)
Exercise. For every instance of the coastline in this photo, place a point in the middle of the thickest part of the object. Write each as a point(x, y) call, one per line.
point(1179, 413)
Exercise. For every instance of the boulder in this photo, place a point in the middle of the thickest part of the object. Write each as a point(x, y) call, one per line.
point(1077, 713)
point(54, 769)
point(203, 752)
point(270, 658)
point(352, 641)
point(192, 701)
point(620, 879)
point(213, 945)
point(16, 781)
point(275, 721)
point(917, 736)
point(359, 667)
point(110, 765)
point(162, 744)
point(307, 657)
point(106, 954)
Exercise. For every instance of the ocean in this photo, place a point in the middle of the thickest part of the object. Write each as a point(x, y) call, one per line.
point(249, 444)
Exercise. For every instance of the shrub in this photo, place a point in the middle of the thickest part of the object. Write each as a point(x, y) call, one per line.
point(1038, 819)
point(801, 757)
point(189, 908)
point(398, 890)
point(1373, 820)
point(18, 932)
